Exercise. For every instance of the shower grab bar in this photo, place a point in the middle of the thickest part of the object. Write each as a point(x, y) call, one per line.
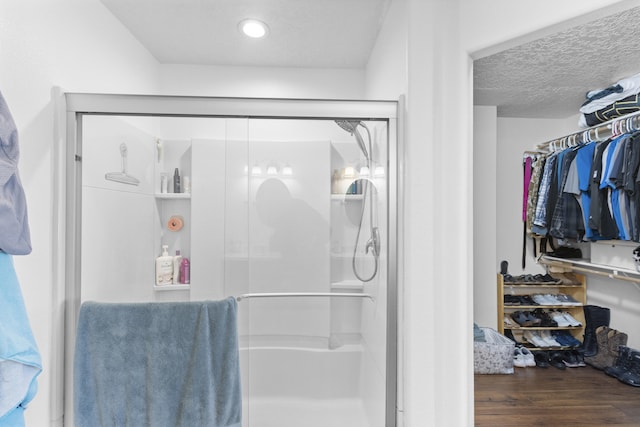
point(302, 294)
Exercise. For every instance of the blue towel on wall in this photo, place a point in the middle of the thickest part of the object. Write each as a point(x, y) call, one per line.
point(20, 362)
point(157, 364)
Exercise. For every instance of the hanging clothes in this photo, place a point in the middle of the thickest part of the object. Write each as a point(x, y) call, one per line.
point(527, 166)
point(20, 362)
point(15, 238)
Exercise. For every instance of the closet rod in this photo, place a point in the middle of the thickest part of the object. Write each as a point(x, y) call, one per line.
point(595, 133)
point(585, 267)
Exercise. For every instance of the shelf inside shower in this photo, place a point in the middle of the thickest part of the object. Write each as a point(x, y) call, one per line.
point(173, 195)
point(347, 285)
point(177, 287)
point(346, 197)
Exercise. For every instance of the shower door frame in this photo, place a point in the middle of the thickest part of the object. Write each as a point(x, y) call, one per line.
point(73, 106)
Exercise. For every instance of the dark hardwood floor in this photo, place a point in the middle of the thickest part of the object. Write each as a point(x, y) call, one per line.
point(553, 397)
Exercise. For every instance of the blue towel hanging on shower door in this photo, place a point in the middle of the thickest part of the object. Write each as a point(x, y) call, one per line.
point(157, 364)
point(20, 362)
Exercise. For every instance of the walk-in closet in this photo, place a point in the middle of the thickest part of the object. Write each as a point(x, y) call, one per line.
point(556, 187)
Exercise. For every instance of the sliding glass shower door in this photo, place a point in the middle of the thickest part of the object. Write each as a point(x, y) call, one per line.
point(306, 211)
point(292, 215)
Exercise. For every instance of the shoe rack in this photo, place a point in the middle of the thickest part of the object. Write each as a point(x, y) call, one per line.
point(570, 284)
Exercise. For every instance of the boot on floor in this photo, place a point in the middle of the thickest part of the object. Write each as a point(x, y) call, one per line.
point(595, 317)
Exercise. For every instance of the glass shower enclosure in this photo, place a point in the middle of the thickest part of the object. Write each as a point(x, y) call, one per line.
point(289, 206)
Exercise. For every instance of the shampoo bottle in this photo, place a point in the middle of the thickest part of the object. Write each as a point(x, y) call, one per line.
point(176, 181)
point(185, 271)
point(176, 267)
point(164, 268)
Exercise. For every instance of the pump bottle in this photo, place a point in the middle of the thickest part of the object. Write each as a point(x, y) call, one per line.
point(164, 268)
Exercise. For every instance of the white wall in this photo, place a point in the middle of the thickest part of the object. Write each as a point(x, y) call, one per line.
point(485, 220)
point(79, 46)
point(262, 82)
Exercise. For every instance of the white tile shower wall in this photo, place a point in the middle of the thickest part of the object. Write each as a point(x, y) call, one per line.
point(208, 219)
point(117, 235)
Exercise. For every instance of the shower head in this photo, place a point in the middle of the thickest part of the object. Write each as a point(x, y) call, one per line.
point(348, 125)
point(351, 127)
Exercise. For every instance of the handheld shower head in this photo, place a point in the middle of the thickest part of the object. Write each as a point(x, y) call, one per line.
point(348, 125)
point(351, 127)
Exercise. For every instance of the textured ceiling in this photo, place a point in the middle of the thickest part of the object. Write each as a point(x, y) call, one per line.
point(303, 33)
point(548, 78)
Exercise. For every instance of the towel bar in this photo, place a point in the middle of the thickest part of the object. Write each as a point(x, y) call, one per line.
point(302, 294)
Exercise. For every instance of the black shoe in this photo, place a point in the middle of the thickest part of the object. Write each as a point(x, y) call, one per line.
point(527, 300)
point(571, 360)
point(541, 358)
point(632, 376)
point(556, 360)
point(504, 265)
point(622, 364)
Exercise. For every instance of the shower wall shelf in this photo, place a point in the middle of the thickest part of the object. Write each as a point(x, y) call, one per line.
point(173, 196)
point(354, 285)
point(176, 287)
point(346, 197)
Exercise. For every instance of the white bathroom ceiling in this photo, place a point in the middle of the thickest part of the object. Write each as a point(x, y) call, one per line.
point(548, 78)
point(303, 33)
point(544, 78)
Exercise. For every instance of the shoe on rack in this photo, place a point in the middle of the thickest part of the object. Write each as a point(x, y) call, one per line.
point(519, 358)
point(566, 339)
point(528, 357)
point(567, 300)
point(527, 300)
point(549, 279)
point(541, 358)
point(570, 359)
point(504, 267)
point(556, 360)
point(511, 300)
point(509, 322)
point(544, 299)
point(570, 319)
point(533, 319)
point(559, 318)
point(535, 339)
point(545, 318)
point(548, 338)
point(520, 318)
point(579, 358)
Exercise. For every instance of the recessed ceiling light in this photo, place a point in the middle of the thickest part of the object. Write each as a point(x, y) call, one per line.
point(253, 28)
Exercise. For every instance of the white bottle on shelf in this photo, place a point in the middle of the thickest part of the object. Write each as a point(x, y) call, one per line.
point(176, 267)
point(164, 268)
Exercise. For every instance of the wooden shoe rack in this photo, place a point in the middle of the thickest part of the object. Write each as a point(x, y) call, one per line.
point(573, 285)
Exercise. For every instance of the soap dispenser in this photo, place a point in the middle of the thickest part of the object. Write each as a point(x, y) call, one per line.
point(164, 268)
